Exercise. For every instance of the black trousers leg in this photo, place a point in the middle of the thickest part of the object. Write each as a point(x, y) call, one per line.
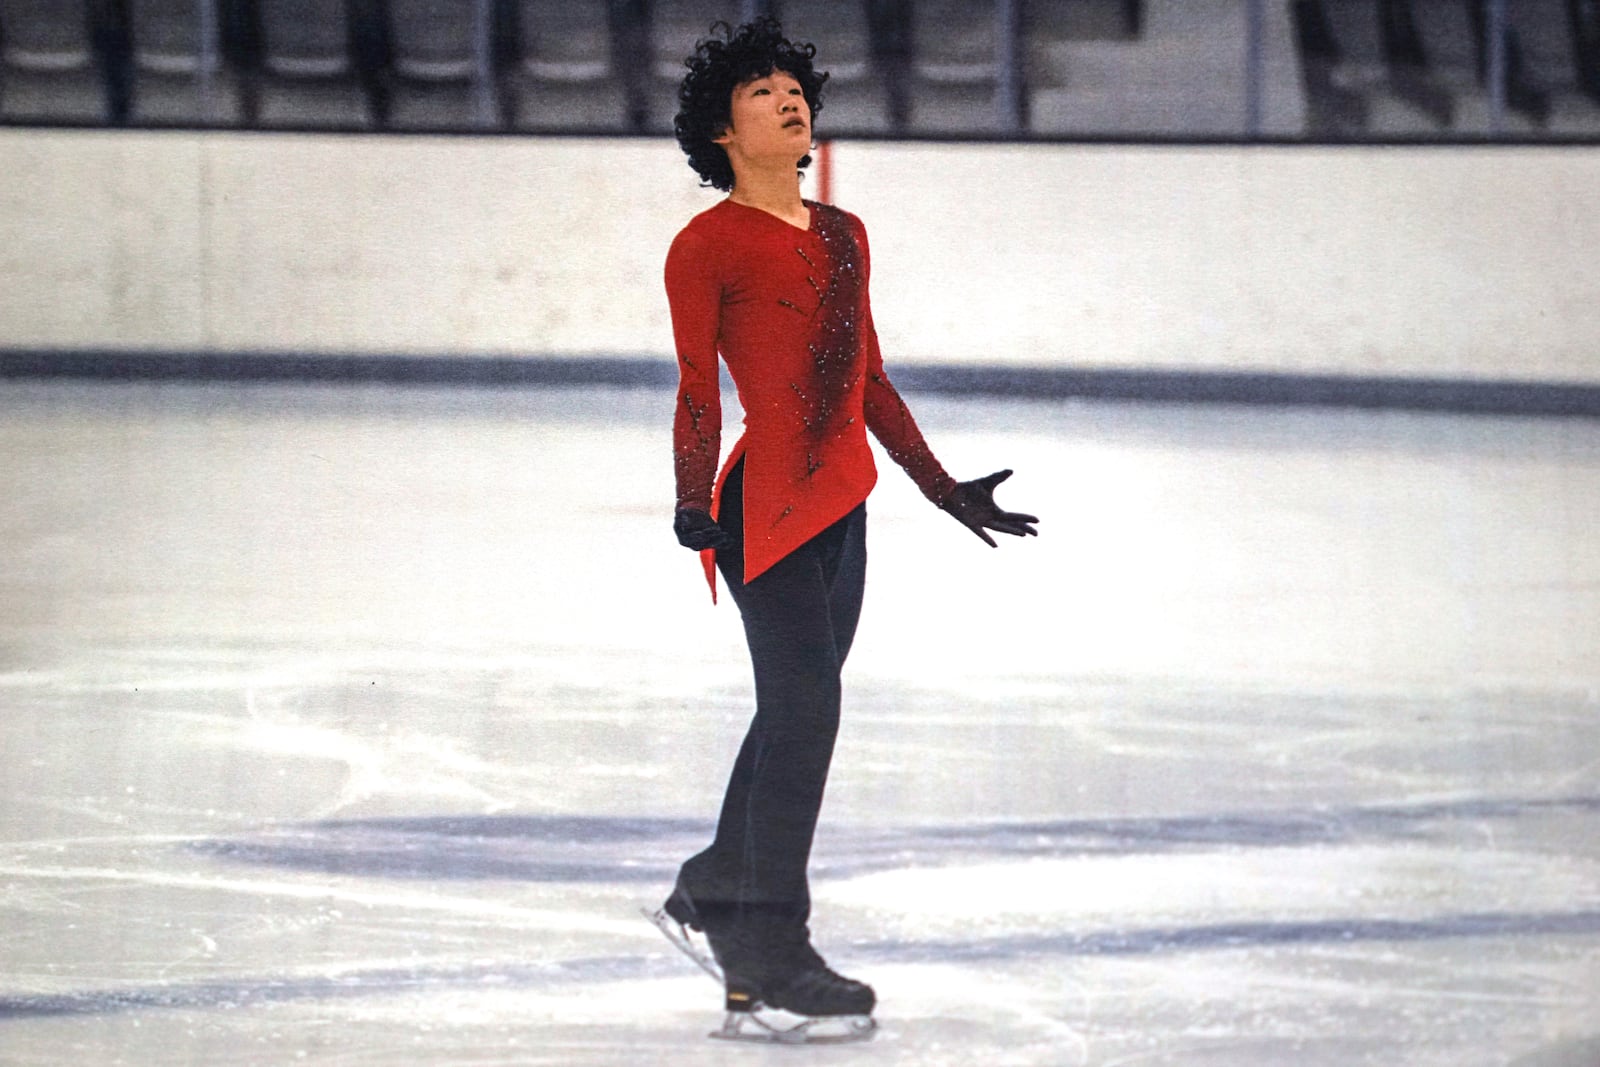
point(799, 620)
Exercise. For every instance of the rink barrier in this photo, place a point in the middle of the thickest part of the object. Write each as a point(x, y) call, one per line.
point(1459, 396)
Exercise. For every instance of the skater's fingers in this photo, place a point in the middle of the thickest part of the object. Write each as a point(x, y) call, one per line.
point(1022, 525)
point(992, 480)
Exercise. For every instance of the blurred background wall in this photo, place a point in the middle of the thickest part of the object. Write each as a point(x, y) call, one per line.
point(1368, 190)
point(1474, 263)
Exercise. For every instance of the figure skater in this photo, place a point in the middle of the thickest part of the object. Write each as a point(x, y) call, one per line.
point(777, 285)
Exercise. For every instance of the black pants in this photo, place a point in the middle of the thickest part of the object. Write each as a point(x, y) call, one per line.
point(799, 620)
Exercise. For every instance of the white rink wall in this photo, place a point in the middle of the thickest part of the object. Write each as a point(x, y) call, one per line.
point(1458, 263)
point(1475, 263)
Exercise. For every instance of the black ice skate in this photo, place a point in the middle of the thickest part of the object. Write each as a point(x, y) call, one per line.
point(767, 975)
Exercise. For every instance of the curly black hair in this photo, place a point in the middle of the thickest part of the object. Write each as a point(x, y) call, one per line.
point(722, 63)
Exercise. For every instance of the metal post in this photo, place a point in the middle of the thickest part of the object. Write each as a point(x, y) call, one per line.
point(1497, 66)
point(205, 83)
point(483, 60)
point(1008, 63)
point(1255, 75)
point(825, 172)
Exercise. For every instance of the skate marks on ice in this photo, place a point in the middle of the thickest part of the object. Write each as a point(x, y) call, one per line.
point(1339, 935)
point(350, 983)
point(621, 849)
point(355, 981)
point(1377, 875)
point(1584, 1052)
point(535, 848)
point(1175, 940)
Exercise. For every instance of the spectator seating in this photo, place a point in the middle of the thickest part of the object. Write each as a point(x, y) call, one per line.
point(179, 73)
point(671, 29)
point(1336, 69)
point(50, 70)
point(441, 70)
point(308, 75)
point(857, 96)
point(563, 72)
point(1420, 68)
point(954, 66)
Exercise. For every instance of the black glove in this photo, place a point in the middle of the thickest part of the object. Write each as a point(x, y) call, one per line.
point(973, 505)
point(699, 531)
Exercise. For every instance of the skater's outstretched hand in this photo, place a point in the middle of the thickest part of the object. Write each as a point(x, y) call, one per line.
point(698, 530)
point(973, 505)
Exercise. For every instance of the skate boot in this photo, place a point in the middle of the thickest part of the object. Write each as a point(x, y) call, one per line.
point(681, 909)
point(779, 970)
point(768, 968)
point(783, 971)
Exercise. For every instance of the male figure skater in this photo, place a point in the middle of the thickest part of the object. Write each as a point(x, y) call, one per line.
point(778, 286)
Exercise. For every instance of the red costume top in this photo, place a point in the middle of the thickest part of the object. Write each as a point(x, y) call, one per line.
point(789, 312)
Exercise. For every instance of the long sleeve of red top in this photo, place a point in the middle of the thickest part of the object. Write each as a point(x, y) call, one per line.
point(695, 295)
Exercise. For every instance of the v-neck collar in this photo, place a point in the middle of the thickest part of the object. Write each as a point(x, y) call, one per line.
point(811, 211)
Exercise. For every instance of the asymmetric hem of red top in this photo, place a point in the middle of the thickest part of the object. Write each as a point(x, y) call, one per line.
point(789, 312)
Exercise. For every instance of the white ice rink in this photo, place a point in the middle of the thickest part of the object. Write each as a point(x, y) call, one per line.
point(352, 726)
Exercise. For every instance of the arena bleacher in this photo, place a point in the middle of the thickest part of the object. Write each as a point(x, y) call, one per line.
point(986, 69)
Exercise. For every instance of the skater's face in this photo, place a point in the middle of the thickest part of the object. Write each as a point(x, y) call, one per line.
point(768, 120)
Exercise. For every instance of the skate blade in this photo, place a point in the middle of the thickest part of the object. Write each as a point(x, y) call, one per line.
point(683, 941)
point(761, 1027)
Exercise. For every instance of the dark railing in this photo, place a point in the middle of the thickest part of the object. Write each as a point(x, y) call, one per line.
point(1584, 20)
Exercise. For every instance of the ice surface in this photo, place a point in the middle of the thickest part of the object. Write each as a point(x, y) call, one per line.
point(354, 725)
